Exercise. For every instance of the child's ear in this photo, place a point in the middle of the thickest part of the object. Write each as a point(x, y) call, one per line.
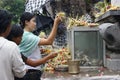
point(14, 39)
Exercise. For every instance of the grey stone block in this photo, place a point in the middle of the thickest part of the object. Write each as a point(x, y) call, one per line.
point(114, 56)
point(113, 64)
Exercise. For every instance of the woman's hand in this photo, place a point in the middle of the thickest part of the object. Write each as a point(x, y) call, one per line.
point(51, 37)
point(58, 19)
point(51, 55)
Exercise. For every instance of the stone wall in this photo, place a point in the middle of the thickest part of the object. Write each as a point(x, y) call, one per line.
point(71, 7)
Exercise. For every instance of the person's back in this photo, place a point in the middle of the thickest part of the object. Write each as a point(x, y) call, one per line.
point(11, 63)
point(9, 50)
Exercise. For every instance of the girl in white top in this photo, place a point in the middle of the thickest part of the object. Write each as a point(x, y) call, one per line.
point(30, 43)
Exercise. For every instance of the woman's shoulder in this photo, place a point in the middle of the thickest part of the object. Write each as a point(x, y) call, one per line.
point(26, 33)
point(29, 36)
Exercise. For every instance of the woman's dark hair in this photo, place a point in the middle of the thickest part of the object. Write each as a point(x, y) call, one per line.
point(5, 20)
point(26, 16)
point(16, 31)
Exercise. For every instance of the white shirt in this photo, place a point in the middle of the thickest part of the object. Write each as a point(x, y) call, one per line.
point(29, 47)
point(35, 56)
point(115, 3)
point(11, 63)
point(32, 5)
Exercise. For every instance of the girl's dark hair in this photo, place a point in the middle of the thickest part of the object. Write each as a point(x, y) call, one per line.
point(5, 20)
point(26, 16)
point(16, 31)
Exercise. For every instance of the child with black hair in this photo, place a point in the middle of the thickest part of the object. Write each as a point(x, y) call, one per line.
point(16, 36)
point(11, 63)
point(61, 37)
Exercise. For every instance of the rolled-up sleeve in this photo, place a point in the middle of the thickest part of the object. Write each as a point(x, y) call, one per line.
point(18, 66)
